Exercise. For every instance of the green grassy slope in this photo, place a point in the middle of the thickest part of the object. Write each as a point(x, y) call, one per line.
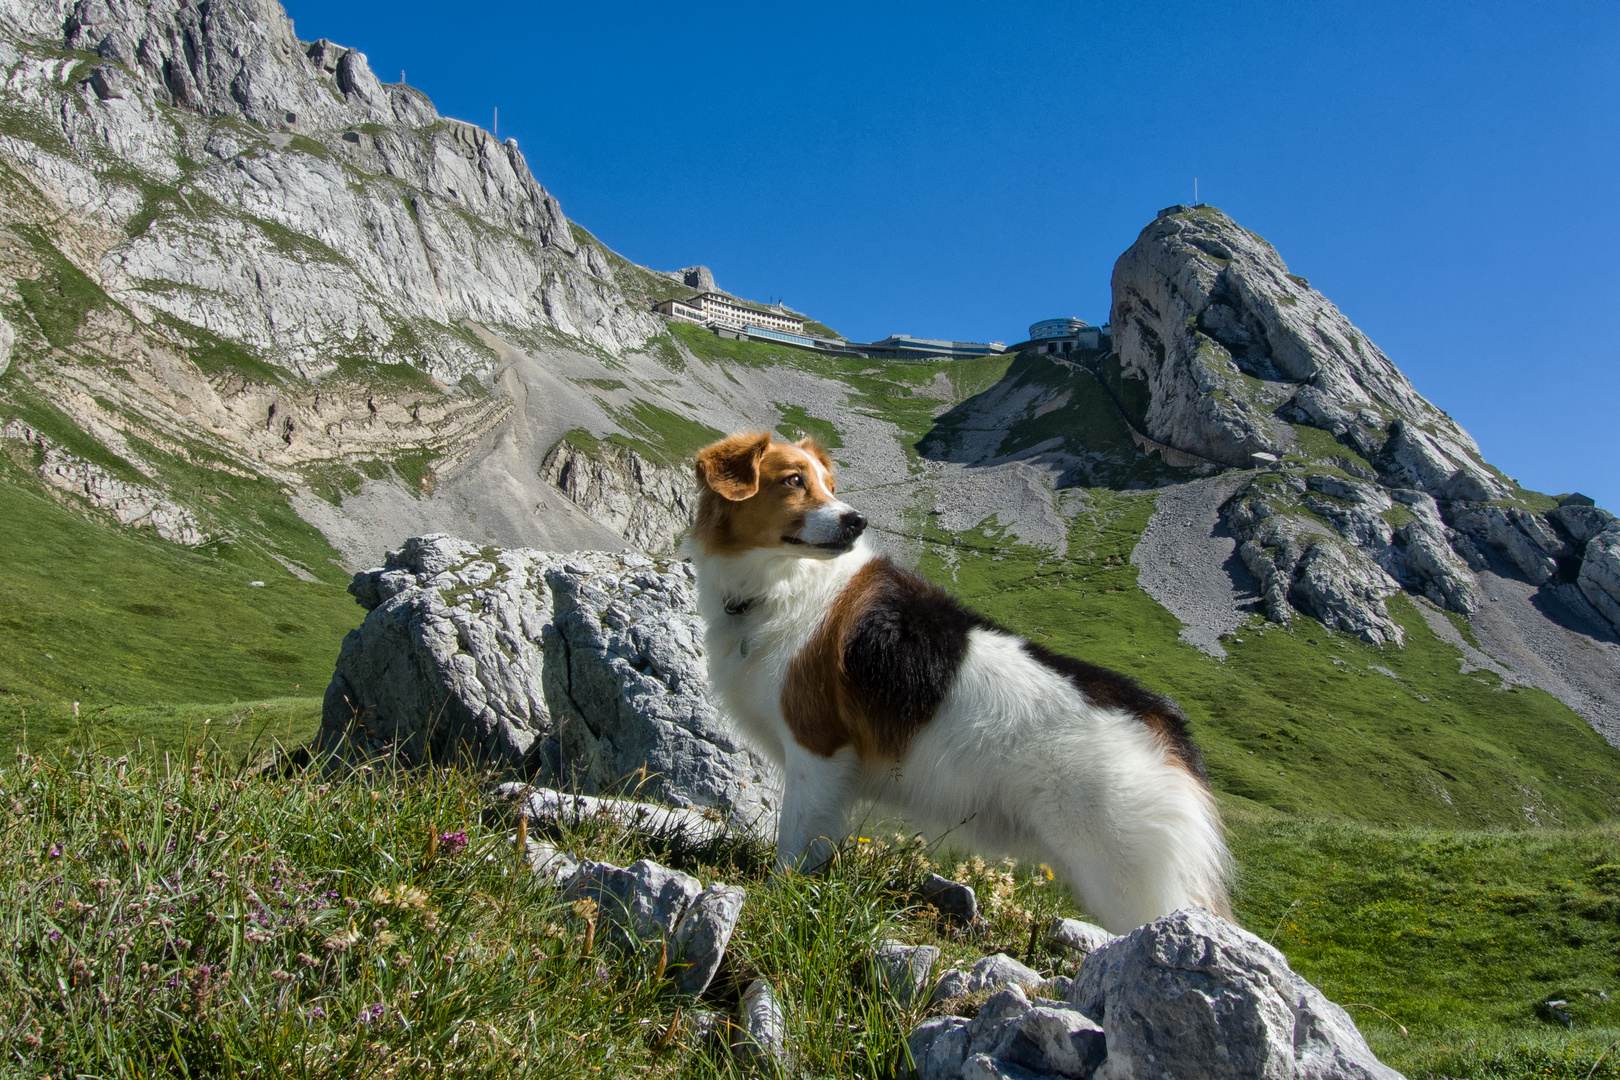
point(1281, 724)
point(129, 624)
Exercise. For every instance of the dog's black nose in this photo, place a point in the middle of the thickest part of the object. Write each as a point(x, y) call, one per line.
point(853, 522)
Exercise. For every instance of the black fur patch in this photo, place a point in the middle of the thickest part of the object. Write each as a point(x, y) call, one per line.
point(902, 655)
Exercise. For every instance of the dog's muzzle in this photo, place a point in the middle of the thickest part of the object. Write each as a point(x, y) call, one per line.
point(832, 528)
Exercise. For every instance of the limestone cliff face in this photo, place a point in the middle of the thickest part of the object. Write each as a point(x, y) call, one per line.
point(649, 505)
point(276, 194)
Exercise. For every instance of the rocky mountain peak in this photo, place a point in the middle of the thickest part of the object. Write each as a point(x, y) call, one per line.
point(1230, 342)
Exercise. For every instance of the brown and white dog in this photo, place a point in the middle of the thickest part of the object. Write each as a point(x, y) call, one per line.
point(863, 681)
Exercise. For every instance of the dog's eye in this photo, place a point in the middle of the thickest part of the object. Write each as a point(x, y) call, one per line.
point(794, 480)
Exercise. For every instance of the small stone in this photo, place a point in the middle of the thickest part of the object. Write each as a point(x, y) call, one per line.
point(1056, 1039)
point(999, 969)
point(639, 903)
point(954, 900)
point(1075, 937)
point(760, 1039)
point(902, 971)
point(1002, 1005)
point(952, 984)
point(700, 938)
point(549, 863)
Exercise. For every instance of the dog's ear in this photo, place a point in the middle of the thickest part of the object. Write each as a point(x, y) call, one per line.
point(730, 467)
point(814, 449)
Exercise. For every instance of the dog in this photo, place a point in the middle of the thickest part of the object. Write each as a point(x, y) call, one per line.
point(862, 680)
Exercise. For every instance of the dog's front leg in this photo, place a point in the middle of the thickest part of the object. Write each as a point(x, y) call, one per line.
point(816, 796)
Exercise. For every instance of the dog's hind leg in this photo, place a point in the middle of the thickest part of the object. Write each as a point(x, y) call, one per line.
point(816, 796)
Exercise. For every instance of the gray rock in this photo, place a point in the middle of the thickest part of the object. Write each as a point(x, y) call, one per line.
point(651, 819)
point(638, 904)
point(1581, 520)
point(1446, 465)
point(760, 1039)
point(1075, 937)
point(985, 1067)
point(1053, 1040)
point(8, 337)
point(549, 863)
point(627, 684)
point(901, 971)
point(1200, 302)
point(951, 985)
point(1524, 537)
point(106, 82)
point(586, 666)
point(131, 504)
point(1005, 1004)
point(1599, 578)
point(1191, 995)
point(701, 937)
point(938, 1047)
point(697, 277)
point(1301, 563)
point(649, 505)
point(955, 900)
point(447, 664)
point(999, 969)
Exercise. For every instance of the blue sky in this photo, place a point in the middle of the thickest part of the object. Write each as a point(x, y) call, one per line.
point(1448, 174)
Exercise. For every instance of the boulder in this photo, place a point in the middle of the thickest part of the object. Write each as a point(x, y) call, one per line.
point(1302, 563)
point(1191, 995)
point(1524, 537)
point(585, 667)
point(1446, 465)
point(628, 689)
point(549, 863)
point(1581, 521)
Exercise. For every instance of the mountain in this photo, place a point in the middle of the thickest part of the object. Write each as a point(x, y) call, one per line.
point(265, 317)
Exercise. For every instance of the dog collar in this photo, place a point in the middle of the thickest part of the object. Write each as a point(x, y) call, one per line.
point(741, 607)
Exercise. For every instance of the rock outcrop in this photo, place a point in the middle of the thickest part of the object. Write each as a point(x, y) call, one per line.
point(585, 667)
point(1188, 995)
point(1369, 488)
point(129, 503)
point(650, 505)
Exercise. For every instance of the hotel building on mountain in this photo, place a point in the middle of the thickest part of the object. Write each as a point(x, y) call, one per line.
point(718, 309)
point(1059, 336)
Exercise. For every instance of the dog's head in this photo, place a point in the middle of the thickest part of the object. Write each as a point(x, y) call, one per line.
point(760, 493)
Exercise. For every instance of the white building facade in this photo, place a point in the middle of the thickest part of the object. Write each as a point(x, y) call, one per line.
point(717, 309)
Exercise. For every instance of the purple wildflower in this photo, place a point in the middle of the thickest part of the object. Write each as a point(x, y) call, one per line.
point(53, 936)
point(453, 843)
point(56, 848)
point(372, 1013)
